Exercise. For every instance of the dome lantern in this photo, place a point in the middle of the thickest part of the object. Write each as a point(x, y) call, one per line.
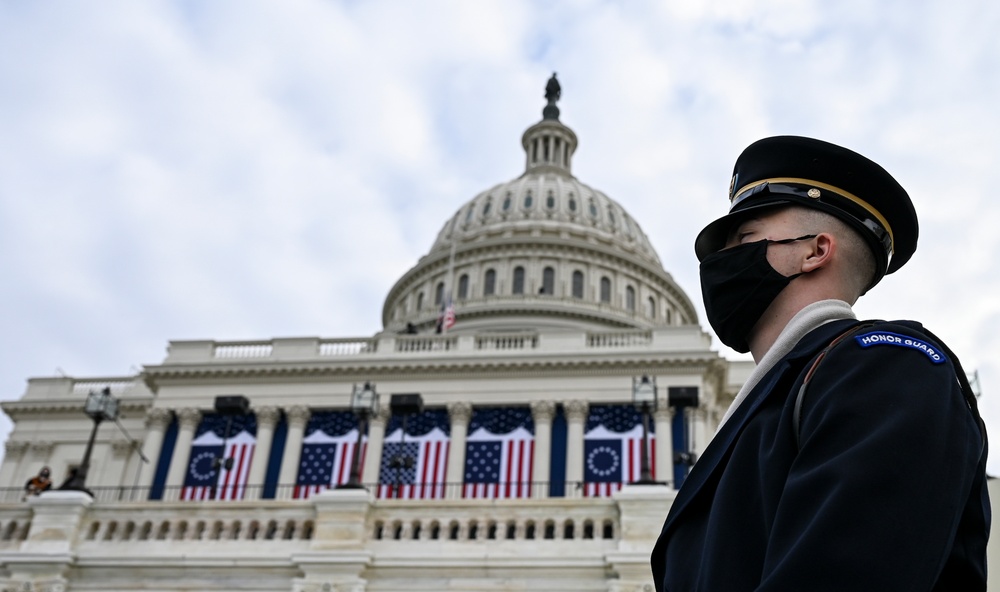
point(549, 145)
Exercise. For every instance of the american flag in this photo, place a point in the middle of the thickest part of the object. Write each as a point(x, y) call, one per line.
point(201, 479)
point(415, 467)
point(499, 453)
point(612, 449)
point(327, 452)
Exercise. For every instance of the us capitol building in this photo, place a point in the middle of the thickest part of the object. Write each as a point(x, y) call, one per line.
point(502, 453)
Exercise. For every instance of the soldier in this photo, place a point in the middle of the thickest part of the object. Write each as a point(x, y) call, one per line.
point(854, 456)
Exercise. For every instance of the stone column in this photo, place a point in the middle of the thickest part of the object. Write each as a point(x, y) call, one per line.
point(459, 413)
point(188, 420)
point(298, 417)
point(542, 413)
point(49, 552)
point(157, 420)
point(576, 419)
point(267, 418)
point(11, 463)
point(376, 440)
point(699, 420)
point(663, 420)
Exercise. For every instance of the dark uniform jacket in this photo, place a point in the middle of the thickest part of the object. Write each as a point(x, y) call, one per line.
point(882, 488)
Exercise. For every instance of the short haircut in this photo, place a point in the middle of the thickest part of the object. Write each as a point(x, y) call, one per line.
point(853, 247)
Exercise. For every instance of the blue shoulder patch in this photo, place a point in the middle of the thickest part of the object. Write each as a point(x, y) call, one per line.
point(888, 338)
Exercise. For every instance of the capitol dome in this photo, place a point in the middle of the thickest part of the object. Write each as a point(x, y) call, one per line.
point(543, 250)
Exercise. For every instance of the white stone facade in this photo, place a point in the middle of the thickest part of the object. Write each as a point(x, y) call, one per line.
point(594, 310)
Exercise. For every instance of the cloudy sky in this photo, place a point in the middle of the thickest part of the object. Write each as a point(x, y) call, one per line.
point(246, 170)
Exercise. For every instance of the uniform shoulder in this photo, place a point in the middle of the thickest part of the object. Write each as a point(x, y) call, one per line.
point(901, 334)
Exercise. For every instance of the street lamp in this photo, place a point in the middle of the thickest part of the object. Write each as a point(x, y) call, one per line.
point(364, 403)
point(644, 398)
point(99, 407)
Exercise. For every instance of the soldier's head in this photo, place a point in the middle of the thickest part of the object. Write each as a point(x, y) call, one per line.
point(804, 210)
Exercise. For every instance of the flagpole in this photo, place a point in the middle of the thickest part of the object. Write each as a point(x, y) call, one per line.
point(448, 288)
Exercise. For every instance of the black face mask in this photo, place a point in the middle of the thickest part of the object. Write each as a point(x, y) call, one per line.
point(738, 284)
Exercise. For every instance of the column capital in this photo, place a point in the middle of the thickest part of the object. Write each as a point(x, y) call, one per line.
point(298, 415)
point(15, 448)
point(460, 412)
point(381, 416)
point(189, 418)
point(121, 448)
point(663, 413)
point(42, 447)
point(699, 413)
point(576, 410)
point(158, 418)
point(267, 416)
point(543, 411)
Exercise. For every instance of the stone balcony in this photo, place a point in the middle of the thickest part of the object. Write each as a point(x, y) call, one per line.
point(338, 538)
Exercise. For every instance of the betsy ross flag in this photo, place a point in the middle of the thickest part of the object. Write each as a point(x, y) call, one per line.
point(499, 453)
point(327, 452)
point(202, 480)
point(446, 318)
point(415, 466)
point(612, 449)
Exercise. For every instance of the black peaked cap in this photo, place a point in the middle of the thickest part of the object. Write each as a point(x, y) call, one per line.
point(793, 170)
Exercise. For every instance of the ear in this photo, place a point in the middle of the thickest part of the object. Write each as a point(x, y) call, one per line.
point(821, 254)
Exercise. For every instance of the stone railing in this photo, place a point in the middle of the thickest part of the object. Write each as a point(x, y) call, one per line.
point(336, 540)
point(387, 346)
point(466, 520)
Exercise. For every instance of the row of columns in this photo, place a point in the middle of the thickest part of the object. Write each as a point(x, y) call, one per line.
point(459, 414)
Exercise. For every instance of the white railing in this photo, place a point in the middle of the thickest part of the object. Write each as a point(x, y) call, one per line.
point(507, 341)
point(347, 347)
point(117, 385)
point(620, 339)
point(246, 349)
point(409, 343)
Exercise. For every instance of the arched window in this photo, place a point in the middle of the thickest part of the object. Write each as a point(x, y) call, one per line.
point(548, 281)
point(439, 294)
point(550, 201)
point(486, 207)
point(528, 200)
point(463, 287)
point(490, 283)
point(572, 203)
point(605, 289)
point(420, 301)
point(577, 284)
point(630, 298)
point(506, 202)
point(518, 280)
point(651, 308)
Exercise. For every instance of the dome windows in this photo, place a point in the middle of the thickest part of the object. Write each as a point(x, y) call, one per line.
point(486, 207)
point(572, 203)
point(439, 294)
point(593, 209)
point(577, 284)
point(518, 283)
point(490, 282)
point(506, 202)
point(630, 298)
point(651, 308)
point(420, 301)
point(548, 281)
point(606, 289)
point(550, 201)
point(528, 200)
point(463, 286)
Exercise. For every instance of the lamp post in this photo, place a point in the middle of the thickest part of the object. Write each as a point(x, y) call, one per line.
point(644, 398)
point(364, 403)
point(99, 407)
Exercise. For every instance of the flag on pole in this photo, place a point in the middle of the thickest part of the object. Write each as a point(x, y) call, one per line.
point(327, 452)
point(203, 476)
point(612, 449)
point(448, 320)
point(499, 453)
point(415, 466)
